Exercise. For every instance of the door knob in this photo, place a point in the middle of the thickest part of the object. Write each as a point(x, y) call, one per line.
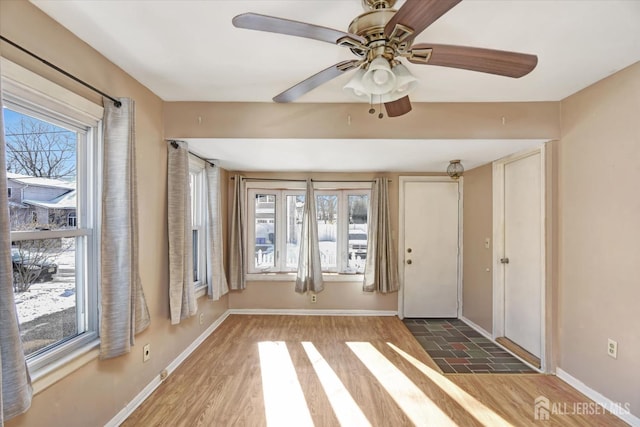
point(409, 250)
point(409, 261)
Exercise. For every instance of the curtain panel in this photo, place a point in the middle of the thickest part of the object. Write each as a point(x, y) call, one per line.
point(236, 236)
point(124, 311)
point(16, 391)
point(216, 277)
point(381, 268)
point(182, 296)
point(309, 275)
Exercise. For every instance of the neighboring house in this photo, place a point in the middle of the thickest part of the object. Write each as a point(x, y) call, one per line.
point(43, 202)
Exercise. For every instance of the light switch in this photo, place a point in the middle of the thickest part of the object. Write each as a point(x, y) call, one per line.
point(487, 243)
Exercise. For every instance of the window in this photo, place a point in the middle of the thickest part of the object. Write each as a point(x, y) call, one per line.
point(198, 215)
point(275, 224)
point(72, 221)
point(53, 156)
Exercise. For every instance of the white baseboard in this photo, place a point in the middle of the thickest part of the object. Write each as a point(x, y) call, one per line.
point(156, 381)
point(601, 400)
point(306, 312)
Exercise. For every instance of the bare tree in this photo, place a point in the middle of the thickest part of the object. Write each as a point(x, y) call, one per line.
point(34, 260)
point(43, 150)
point(40, 149)
point(327, 208)
point(358, 207)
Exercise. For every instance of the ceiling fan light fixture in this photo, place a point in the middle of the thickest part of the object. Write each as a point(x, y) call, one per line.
point(379, 78)
point(405, 82)
point(355, 87)
point(360, 88)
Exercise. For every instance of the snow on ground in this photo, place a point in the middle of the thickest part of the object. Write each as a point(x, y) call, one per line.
point(49, 297)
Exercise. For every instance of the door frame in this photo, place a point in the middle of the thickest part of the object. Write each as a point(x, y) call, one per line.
point(402, 180)
point(498, 247)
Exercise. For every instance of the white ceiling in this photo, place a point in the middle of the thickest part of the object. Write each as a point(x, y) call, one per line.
point(355, 155)
point(189, 51)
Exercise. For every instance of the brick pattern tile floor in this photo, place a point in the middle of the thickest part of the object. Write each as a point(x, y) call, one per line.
point(458, 348)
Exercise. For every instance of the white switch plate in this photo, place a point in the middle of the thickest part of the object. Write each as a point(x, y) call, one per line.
point(612, 348)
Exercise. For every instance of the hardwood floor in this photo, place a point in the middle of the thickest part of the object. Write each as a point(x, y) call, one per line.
point(329, 371)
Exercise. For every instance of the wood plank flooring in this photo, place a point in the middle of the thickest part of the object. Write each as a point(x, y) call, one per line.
point(349, 371)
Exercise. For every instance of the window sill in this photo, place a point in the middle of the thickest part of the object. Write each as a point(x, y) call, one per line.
point(57, 370)
point(201, 291)
point(291, 277)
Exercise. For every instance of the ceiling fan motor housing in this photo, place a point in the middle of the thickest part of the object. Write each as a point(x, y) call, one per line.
point(370, 25)
point(378, 4)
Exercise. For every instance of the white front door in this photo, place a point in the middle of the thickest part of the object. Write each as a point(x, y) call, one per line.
point(429, 253)
point(522, 258)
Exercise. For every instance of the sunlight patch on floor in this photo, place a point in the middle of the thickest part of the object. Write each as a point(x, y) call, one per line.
point(475, 408)
point(284, 400)
point(421, 410)
point(346, 409)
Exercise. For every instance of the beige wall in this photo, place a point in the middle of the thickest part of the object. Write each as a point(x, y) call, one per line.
point(599, 235)
point(336, 295)
point(95, 393)
point(477, 287)
point(530, 120)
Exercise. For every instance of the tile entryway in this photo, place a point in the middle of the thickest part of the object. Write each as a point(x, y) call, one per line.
point(458, 348)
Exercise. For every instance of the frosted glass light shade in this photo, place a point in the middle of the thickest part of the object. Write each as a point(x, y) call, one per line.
point(379, 79)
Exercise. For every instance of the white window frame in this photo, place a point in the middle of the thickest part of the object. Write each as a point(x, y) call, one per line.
point(198, 221)
point(29, 93)
point(281, 189)
point(344, 230)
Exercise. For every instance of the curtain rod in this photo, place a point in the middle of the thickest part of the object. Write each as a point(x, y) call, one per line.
point(174, 144)
point(304, 180)
point(60, 70)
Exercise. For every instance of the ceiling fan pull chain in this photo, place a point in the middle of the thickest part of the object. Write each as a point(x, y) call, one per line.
point(380, 115)
point(371, 109)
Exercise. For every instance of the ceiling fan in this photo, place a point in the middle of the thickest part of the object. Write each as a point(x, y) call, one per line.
point(378, 38)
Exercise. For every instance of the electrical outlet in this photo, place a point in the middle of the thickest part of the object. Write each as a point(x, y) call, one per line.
point(201, 318)
point(146, 352)
point(314, 298)
point(612, 348)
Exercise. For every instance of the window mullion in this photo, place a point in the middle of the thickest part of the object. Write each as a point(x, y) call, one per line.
point(343, 225)
point(281, 240)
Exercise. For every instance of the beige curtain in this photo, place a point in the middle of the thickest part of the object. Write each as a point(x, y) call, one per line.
point(123, 311)
point(236, 237)
point(16, 391)
point(182, 296)
point(381, 269)
point(216, 277)
point(309, 276)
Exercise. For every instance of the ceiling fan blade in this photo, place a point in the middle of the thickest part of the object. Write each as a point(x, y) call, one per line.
point(398, 107)
point(316, 80)
point(418, 15)
point(271, 24)
point(500, 62)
